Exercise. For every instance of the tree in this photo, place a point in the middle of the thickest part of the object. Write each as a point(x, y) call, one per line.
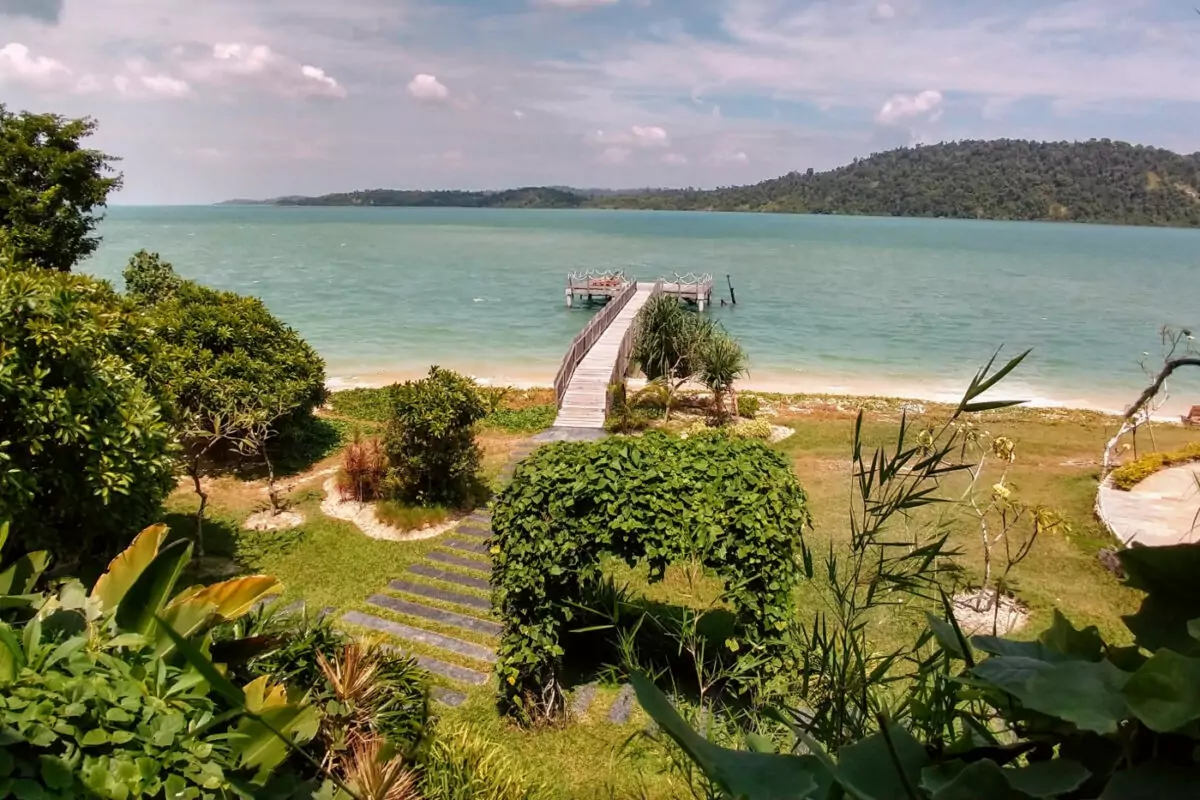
point(50, 188)
point(721, 362)
point(85, 450)
point(240, 377)
point(430, 439)
point(669, 343)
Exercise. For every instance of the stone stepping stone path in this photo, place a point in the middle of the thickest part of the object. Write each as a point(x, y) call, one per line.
point(461, 562)
point(457, 578)
point(444, 595)
point(441, 616)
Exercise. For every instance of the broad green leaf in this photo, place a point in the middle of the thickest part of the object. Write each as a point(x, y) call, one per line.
point(56, 773)
point(184, 619)
point(1084, 693)
point(233, 598)
point(1053, 778)
point(150, 592)
point(946, 636)
point(1037, 651)
point(12, 654)
point(1062, 637)
point(742, 774)
point(261, 746)
point(22, 575)
point(1165, 692)
point(983, 780)
point(201, 664)
point(1167, 576)
point(1153, 782)
point(125, 569)
point(874, 769)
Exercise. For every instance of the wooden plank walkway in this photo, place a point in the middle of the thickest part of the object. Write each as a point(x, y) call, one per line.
point(583, 402)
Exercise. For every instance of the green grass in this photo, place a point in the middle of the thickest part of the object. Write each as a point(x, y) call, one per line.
point(515, 411)
point(524, 420)
point(369, 405)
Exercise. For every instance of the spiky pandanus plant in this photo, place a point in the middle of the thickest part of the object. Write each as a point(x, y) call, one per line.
point(669, 343)
point(722, 361)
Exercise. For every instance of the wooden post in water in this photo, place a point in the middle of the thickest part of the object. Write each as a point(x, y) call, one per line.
point(732, 296)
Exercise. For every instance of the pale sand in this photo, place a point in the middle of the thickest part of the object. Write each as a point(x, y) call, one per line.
point(363, 516)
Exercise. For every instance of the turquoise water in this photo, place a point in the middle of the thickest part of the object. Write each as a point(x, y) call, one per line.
point(858, 305)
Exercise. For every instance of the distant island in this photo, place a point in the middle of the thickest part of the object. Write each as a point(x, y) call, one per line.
point(1098, 181)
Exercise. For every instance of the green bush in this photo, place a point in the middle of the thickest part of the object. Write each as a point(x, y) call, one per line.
point(624, 417)
point(523, 420)
point(735, 505)
point(85, 453)
point(430, 440)
point(748, 406)
point(365, 404)
point(1129, 475)
point(149, 279)
point(50, 188)
point(743, 429)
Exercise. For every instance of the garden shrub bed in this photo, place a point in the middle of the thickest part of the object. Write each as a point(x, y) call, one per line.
point(1129, 475)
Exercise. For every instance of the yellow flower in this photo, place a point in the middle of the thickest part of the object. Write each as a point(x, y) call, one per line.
point(1000, 492)
point(512, 681)
point(495, 550)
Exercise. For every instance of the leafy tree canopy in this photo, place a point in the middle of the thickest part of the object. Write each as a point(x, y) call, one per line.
point(84, 449)
point(50, 188)
point(235, 365)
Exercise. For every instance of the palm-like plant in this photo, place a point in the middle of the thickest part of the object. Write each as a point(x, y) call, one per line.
point(722, 361)
point(670, 342)
point(376, 773)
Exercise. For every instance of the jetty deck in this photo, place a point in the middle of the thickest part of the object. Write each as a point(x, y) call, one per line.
point(599, 355)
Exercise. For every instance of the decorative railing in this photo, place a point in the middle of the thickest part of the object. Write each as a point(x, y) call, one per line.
point(622, 364)
point(596, 279)
point(588, 337)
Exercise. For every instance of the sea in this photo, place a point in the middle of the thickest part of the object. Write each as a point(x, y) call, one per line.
point(841, 305)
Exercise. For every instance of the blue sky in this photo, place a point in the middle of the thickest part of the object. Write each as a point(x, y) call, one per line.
point(221, 98)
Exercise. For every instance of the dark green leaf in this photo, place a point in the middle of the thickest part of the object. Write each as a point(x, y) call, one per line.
point(1165, 692)
point(1059, 776)
point(1062, 637)
point(1154, 782)
point(871, 770)
point(150, 592)
point(22, 575)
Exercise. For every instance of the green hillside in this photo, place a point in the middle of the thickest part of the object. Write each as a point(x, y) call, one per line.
point(1094, 181)
point(528, 197)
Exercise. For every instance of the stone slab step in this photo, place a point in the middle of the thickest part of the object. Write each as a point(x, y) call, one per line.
point(445, 595)
point(439, 615)
point(451, 672)
point(457, 578)
point(582, 699)
point(473, 532)
point(466, 546)
point(429, 638)
point(460, 561)
point(622, 707)
point(481, 517)
point(448, 697)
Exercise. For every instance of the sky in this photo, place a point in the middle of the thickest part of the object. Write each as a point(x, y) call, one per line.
point(206, 100)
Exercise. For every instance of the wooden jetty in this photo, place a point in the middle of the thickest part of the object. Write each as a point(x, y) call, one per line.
point(599, 355)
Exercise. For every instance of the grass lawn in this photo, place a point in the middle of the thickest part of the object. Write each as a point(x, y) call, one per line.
point(329, 563)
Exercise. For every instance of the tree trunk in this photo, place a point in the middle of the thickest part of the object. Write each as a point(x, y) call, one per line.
point(194, 471)
point(272, 494)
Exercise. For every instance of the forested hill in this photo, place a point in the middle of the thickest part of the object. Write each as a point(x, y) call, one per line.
point(1094, 181)
point(529, 197)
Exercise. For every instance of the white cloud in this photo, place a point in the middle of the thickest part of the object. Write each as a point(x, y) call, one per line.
point(884, 11)
point(518, 113)
point(675, 159)
point(615, 155)
point(428, 89)
point(725, 157)
point(903, 106)
point(650, 136)
point(244, 59)
point(18, 64)
point(324, 83)
point(573, 4)
point(140, 86)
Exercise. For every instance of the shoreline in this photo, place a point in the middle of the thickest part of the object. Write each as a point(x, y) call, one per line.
point(931, 391)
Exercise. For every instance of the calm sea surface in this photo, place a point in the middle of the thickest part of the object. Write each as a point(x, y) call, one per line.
point(881, 306)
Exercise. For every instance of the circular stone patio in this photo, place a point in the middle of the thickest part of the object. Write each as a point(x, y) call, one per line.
point(1164, 509)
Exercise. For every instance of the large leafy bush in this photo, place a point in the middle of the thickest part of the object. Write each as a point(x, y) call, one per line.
point(85, 453)
point(734, 505)
point(430, 439)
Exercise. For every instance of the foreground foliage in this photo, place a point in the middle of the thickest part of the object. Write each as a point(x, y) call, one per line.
point(733, 505)
point(50, 188)
point(85, 453)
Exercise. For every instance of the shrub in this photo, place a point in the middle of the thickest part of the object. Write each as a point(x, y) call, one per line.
point(85, 453)
point(748, 406)
point(409, 518)
point(463, 766)
point(743, 429)
point(1129, 475)
point(734, 505)
point(623, 417)
point(293, 643)
point(50, 188)
point(149, 279)
point(366, 404)
point(364, 468)
point(524, 420)
point(430, 440)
